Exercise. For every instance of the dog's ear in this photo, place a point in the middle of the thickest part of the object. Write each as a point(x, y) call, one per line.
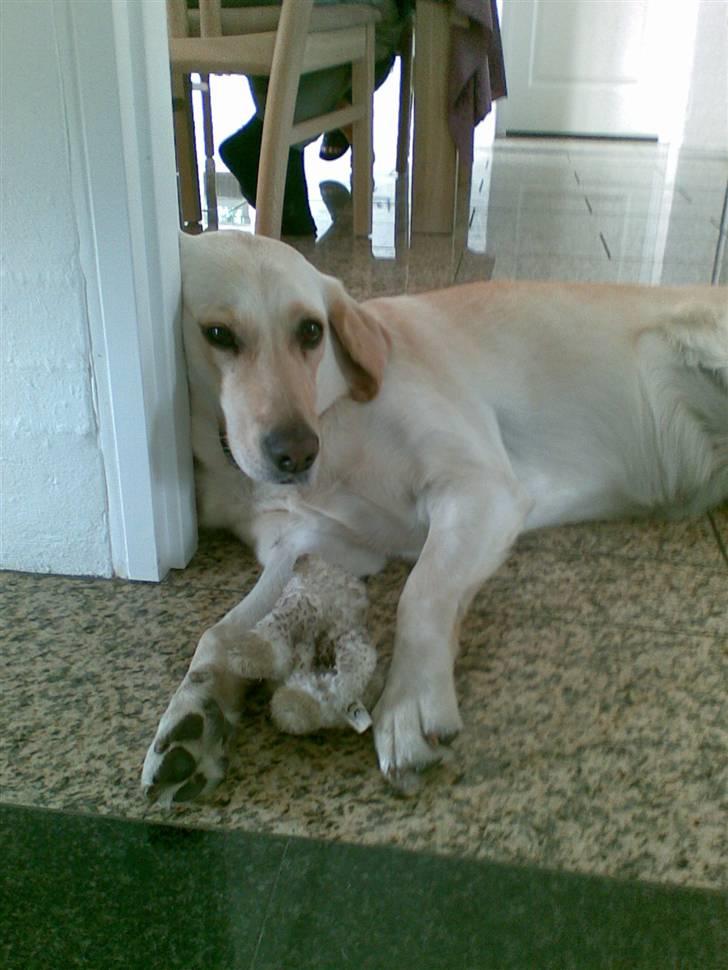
point(364, 343)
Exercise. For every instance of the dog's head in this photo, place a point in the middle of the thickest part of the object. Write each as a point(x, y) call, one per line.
point(278, 342)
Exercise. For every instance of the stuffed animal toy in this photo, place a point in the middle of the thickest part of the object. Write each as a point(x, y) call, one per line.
point(315, 648)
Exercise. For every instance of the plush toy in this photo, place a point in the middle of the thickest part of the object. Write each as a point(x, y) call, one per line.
point(315, 648)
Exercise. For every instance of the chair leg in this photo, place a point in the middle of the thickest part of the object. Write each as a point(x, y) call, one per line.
point(184, 143)
point(362, 156)
point(405, 100)
point(280, 106)
point(210, 183)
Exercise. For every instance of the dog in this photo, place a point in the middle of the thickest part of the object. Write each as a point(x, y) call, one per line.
point(434, 428)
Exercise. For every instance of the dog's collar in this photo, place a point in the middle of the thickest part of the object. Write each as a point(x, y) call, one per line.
point(226, 447)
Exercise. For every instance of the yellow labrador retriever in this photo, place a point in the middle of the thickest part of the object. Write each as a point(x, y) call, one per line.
point(434, 427)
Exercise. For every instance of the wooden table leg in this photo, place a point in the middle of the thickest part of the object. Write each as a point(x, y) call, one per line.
point(434, 163)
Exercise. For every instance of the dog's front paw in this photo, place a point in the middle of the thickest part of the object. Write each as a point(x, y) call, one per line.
point(412, 723)
point(189, 755)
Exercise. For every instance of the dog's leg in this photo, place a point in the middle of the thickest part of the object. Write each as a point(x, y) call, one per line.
point(189, 753)
point(473, 523)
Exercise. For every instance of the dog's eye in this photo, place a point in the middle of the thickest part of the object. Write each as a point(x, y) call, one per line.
point(221, 337)
point(310, 333)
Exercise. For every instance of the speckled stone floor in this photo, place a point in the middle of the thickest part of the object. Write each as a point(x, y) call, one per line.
point(592, 685)
point(594, 667)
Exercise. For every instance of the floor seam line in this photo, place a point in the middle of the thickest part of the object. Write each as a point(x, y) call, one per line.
point(268, 905)
point(460, 263)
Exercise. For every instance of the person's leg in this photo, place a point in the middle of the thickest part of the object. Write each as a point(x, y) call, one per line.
point(336, 143)
point(318, 93)
point(241, 153)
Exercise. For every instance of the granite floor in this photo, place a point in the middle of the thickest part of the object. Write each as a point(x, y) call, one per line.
point(117, 895)
point(592, 680)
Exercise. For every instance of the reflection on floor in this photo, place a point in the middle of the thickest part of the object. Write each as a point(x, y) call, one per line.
point(535, 209)
point(593, 672)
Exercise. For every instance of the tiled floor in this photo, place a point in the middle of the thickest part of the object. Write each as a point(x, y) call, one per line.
point(592, 684)
point(117, 894)
point(536, 209)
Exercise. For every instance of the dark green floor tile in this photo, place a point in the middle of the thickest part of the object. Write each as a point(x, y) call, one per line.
point(104, 894)
point(90, 892)
point(339, 907)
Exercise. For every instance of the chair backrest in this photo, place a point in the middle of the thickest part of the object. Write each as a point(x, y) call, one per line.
point(179, 21)
point(210, 18)
point(213, 20)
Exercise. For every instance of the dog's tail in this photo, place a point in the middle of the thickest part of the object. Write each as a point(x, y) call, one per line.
point(688, 399)
point(699, 335)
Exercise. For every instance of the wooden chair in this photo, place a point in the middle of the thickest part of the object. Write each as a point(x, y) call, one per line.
point(282, 43)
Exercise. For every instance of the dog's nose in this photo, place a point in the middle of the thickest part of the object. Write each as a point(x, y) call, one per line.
point(291, 450)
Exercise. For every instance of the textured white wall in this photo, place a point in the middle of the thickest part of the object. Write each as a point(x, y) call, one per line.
point(53, 502)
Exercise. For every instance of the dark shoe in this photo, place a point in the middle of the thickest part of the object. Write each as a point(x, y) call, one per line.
point(241, 154)
point(337, 199)
point(334, 145)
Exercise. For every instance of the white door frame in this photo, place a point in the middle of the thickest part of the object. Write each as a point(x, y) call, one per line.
point(115, 74)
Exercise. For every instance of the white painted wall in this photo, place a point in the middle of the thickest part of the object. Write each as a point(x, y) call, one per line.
point(53, 502)
point(96, 460)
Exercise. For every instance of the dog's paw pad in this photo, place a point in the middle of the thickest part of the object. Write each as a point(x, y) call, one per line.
point(191, 789)
point(190, 728)
point(177, 765)
point(189, 756)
